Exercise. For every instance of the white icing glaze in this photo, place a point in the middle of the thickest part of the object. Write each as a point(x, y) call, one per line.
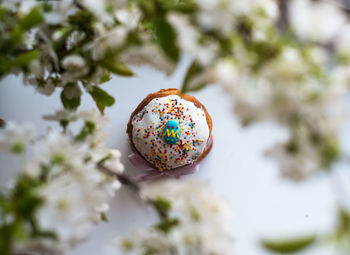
point(148, 126)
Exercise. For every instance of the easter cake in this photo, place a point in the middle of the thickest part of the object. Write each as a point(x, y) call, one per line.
point(170, 130)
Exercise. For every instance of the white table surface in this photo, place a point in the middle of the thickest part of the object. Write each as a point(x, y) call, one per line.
point(262, 203)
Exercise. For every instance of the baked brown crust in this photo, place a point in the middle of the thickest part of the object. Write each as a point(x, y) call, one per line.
point(164, 93)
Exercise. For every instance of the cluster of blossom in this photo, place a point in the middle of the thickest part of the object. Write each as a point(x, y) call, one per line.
point(75, 193)
point(296, 76)
point(287, 90)
point(303, 88)
point(78, 44)
point(196, 224)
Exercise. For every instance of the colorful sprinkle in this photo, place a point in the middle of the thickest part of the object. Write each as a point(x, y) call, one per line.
point(161, 138)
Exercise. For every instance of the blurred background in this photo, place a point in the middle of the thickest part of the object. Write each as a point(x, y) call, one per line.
point(263, 204)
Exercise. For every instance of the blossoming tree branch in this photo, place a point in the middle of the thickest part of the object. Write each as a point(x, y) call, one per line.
point(281, 61)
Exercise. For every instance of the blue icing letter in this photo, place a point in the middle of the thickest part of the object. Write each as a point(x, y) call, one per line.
point(171, 133)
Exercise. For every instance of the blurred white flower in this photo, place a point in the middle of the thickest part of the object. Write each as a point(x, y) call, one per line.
point(341, 181)
point(188, 40)
point(95, 117)
point(130, 17)
point(43, 88)
point(74, 190)
point(98, 8)
point(149, 55)
point(293, 90)
point(317, 21)
point(73, 91)
point(110, 40)
point(223, 15)
point(53, 150)
point(295, 165)
point(202, 227)
point(75, 64)
point(112, 161)
point(216, 15)
point(15, 137)
point(289, 65)
point(74, 201)
point(268, 7)
point(226, 72)
point(59, 11)
point(342, 43)
point(36, 68)
point(61, 115)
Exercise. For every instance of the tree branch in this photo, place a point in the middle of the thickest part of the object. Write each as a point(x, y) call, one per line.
point(283, 21)
point(2, 123)
point(126, 180)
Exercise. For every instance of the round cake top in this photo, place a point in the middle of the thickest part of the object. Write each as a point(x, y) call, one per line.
point(170, 132)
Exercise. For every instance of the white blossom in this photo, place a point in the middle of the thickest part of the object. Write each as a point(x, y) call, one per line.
point(93, 116)
point(75, 64)
point(130, 17)
point(202, 225)
point(317, 21)
point(149, 55)
point(295, 165)
point(15, 137)
point(341, 182)
point(72, 216)
point(110, 40)
point(222, 15)
point(216, 15)
point(113, 162)
point(43, 88)
point(188, 38)
point(100, 8)
point(288, 91)
point(75, 191)
point(290, 65)
point(36, 68)
point(61, 115)
point(342, 43)
point(55, 147)
point(59, 12)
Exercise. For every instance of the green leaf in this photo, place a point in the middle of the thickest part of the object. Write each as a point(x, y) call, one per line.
point(167, 224)
point(6, 239)
point(88, 129)
point(162, 205)
point(182, 6)
point(148, 7)
point(166, 37)
point(105, 77)
point(195, 78)
point(289, 245)
point(5, 65)
point(70, 104)
point(117, 67)
point(25, 58)
point(104, 217)
point(32, 19)
point(330, 150)
point(102, 99)
point(82, 19)
point(343, 225)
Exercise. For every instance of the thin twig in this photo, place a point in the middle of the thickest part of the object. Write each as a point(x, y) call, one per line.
point(126, 180)
point(2, 123)
point(283, 21)
point(26, 253)
point(78, 5)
